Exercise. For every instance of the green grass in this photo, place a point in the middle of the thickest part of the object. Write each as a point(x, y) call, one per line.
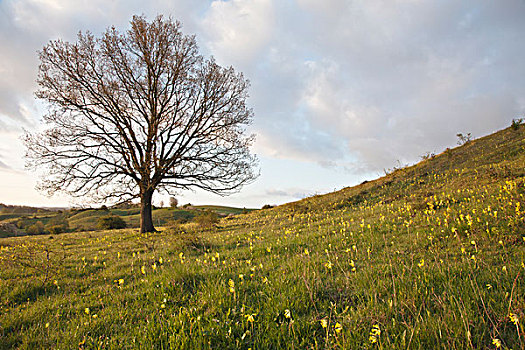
point(428, 257)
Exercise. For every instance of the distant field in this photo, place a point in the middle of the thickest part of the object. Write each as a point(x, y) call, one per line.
point(222, 210)
point(8, 216)
point(86, 220)
point(431, 256)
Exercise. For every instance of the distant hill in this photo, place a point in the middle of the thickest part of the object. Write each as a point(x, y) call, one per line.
point(223, 210)
point(14, 210)
point(24, 217)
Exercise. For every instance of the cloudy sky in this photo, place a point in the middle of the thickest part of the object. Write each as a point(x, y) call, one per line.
point(341, 89)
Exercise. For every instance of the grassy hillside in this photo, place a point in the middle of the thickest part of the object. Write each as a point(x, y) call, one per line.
point(428, 257)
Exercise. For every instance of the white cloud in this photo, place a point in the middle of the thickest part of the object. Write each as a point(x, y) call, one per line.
point(27, 25)
point(388, 81)
point(237, 30)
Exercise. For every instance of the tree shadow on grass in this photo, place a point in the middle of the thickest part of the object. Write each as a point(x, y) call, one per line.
point(30, 293)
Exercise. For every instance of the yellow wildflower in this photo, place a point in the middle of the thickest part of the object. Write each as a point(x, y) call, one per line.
point(287, 313)
point(375, 332)
point(352, 264)
point(338, 327)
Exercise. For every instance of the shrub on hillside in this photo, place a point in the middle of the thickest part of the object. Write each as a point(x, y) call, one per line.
point(111, 222)
point(516, 123)
point(57, 224)
point(23, 222)
point(463, 139)
point(428, 155)
point(55, 229)
point(36, 229)
point(207, 219)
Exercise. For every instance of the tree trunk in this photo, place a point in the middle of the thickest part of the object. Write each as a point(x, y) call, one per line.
point(146, 220)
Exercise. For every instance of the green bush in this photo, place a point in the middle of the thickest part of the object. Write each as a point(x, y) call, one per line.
point(111, 222)
point(207, 219)
point(57, 224)
point(516, 123)
point(23, 222)
point(35, 229)
point(55, 229)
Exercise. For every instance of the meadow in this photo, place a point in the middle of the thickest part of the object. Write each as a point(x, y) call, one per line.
point(430, 256)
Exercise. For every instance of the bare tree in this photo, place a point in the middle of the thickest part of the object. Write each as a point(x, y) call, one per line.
point(134, 112)
point(463, 139)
